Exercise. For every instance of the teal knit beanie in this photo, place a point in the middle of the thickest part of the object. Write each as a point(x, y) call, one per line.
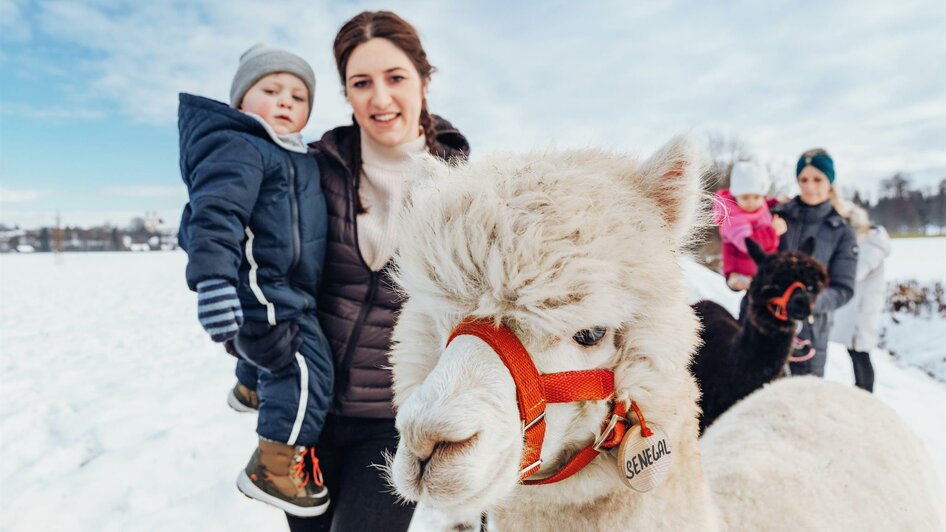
point(821, 161)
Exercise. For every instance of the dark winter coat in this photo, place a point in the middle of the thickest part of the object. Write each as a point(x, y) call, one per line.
point(256, 215)
point(357, 306)
point(835, 247)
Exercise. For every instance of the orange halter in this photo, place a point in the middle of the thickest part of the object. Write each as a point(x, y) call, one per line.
point(534, 392)
point(778, 306)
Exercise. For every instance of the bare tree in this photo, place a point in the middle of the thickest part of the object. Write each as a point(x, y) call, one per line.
point(781, 174)
point(725, 151)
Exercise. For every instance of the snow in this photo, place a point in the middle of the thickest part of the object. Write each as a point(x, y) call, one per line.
point(113, 410)
point(918, 341)
point(113, 404)
point(922, 259)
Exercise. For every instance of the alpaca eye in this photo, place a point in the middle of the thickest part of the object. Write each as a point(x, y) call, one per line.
point(589, 337)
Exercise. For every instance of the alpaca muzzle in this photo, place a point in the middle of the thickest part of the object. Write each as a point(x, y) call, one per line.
point(779, 306)
point(535, 391)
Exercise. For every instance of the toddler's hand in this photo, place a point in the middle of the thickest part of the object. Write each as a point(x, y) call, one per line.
point(738, 282)
point(778, 223)
point(270, 347)
point(218, 309)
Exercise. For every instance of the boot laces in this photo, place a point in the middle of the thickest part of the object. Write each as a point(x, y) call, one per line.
point(306, 456)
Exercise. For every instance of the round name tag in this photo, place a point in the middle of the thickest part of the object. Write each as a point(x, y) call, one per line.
point(644, 463)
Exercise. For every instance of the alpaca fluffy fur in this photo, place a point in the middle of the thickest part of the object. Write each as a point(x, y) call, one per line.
point(548, 244)
point(807, 454)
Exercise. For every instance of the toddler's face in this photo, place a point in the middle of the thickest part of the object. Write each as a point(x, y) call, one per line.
point(750, 202)
point(281, 99)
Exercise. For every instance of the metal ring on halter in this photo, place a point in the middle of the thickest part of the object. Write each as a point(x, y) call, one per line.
point(606, 434)
point(534, 422)
point(534, 465)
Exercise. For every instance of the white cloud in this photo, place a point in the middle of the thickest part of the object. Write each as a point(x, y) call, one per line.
point(13, 25)
point(864, 80)
point(17, 195)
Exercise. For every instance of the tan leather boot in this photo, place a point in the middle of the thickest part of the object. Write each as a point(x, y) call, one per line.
point(287, 477)
point(243, 399)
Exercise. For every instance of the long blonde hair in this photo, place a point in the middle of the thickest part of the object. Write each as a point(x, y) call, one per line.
point(839, 204)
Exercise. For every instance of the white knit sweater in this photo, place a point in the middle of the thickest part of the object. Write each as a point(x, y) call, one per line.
point(384, 174)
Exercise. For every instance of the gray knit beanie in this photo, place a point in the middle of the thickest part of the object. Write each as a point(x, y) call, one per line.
point(261, 60)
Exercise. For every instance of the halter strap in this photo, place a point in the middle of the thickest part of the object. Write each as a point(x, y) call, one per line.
point(530, 395)
point(534, 392)
point(778, 306)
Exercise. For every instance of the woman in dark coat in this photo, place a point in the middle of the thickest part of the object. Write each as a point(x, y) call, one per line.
point(816, 211)
point(365, 170)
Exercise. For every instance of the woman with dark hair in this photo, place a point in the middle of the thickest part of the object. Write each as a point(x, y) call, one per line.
point(365, 168)
point(818, 212)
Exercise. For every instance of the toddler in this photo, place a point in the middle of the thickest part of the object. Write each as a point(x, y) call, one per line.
point(742, 211)
point(254, 230)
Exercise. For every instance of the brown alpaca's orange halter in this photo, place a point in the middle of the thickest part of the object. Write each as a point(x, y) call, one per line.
point(534, 392)
point(778, 306)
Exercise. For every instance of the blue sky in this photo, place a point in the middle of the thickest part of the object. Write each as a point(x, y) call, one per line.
point(88, 90)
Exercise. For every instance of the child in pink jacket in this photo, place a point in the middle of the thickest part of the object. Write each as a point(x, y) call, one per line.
point(742, 211)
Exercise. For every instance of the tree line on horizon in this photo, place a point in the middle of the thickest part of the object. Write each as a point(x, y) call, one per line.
point(140, 234)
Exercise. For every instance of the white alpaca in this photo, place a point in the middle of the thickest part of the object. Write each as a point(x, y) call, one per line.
point(552, 244)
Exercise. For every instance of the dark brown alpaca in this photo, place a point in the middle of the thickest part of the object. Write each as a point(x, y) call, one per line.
point(739, 358)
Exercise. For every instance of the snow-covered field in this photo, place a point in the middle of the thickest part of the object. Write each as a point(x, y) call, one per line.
point(112, 399)
point(922, 259)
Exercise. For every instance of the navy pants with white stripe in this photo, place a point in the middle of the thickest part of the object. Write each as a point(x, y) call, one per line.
point(293, 406)
point(247, 374)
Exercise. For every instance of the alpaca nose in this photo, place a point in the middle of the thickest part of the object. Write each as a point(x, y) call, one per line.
point(439, 445)
point(442, 448)
point(799, 306)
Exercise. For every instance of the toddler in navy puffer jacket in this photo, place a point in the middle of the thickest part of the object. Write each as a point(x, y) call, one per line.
point(255, 231)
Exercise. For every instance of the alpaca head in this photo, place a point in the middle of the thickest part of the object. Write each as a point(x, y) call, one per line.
point(795, 274)
point(576, 253)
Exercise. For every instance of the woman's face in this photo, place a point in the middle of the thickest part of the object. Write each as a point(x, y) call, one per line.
point(814, 185)
point(385, 91)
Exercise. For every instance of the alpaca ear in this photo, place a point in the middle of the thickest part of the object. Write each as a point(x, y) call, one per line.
point(755, 250)
point(808, 246)
point(671, 178)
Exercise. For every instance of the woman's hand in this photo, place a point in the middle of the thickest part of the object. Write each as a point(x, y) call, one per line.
point(778, 223)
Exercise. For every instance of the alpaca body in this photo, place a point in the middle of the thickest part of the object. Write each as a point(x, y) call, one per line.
point(807, 454)
point(734, 360)
point(553, 246)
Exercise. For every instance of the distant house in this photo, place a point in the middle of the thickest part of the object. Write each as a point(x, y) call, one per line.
point(10, 239)
point(142, 234)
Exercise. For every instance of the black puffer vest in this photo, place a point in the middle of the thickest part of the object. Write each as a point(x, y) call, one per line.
point(358, 307)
